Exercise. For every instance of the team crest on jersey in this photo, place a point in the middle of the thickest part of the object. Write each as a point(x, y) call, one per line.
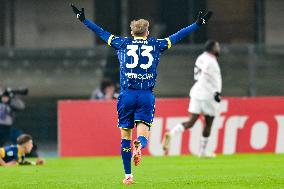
point(10, 153)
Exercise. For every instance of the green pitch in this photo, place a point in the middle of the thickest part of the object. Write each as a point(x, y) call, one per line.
point(235, 171)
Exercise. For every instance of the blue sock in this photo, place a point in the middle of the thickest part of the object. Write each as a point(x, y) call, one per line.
point(126, 155)
point(143, 140)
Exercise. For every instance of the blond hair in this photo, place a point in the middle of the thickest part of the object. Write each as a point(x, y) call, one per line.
point(139, 27)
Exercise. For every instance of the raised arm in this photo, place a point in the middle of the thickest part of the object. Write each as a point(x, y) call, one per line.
point(104, 35)
point(202, 19)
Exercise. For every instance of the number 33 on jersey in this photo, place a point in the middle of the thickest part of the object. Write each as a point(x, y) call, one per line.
point(146, 52)
point(139, 59)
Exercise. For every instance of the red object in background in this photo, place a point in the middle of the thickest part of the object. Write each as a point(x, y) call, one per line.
point(245, 125)
point(88, 128)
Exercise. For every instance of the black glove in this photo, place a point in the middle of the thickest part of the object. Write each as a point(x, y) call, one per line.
point(217, 97)
point(202, 19)
point(79, 13)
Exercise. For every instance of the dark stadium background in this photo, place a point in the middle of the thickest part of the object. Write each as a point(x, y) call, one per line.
point(44, 47)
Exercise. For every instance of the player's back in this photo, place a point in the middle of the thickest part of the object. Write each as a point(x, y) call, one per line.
point(139, 59)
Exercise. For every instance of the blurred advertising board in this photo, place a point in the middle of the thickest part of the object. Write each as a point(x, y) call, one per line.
point(244, 125)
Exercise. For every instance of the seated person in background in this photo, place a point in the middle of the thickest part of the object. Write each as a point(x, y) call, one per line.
point(106, 91)
point(14, 155)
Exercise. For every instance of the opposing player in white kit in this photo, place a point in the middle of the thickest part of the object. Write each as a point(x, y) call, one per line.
point(205, 95)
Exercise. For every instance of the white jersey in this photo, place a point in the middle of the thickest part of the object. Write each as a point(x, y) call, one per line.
point(208, 78)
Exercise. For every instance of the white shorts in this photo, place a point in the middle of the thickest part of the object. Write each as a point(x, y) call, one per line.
point(205, 107)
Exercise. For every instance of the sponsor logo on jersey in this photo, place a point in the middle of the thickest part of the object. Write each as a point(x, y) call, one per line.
point(139, 76)
point(10, 153)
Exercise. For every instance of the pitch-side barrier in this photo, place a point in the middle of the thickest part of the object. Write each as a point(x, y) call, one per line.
point(244, 125)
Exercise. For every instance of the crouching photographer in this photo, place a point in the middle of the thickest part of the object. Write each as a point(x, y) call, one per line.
point(10, 103)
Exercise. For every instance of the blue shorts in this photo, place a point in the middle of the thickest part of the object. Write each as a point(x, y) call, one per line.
point(135, 106)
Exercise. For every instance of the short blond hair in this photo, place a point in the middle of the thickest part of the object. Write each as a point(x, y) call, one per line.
point(139, 27)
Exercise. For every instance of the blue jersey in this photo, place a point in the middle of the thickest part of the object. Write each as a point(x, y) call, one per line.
point(11, 153)
point(139, 57)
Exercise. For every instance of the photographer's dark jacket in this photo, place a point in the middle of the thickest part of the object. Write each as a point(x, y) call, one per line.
point(7, 111)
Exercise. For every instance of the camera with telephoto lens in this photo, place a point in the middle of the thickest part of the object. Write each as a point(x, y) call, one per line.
point(11, 92)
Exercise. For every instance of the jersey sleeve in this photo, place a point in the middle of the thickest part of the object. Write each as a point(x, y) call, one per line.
point(21, 159)
point(219, 84)
point(164, 44)
point(184, 32)
point(203, 65)
point(116, 42)
point(107, 37)
point(3, 152)
point(167, 43)
point(104, 35)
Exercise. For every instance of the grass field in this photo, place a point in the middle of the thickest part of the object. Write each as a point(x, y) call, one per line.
point(235, 171)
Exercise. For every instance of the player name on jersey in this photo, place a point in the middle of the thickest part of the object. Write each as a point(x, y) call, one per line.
point(140, 42)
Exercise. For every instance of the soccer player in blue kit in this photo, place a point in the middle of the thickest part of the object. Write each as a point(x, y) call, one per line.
point(139, 57)
point(15, 154)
